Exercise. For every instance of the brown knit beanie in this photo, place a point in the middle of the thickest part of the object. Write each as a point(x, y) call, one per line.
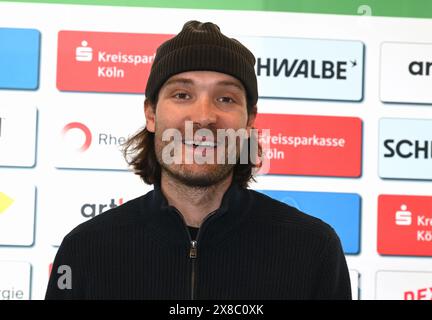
point(201, 46)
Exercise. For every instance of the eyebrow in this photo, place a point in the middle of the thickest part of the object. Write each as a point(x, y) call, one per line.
point(183, 81)
point(189, 82)
point(232, 84)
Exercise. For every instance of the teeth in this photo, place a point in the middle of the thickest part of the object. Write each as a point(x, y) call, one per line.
point(189, 143)
point(207, 144)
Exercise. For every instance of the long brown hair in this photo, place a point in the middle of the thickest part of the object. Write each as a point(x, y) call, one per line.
point(139, 152)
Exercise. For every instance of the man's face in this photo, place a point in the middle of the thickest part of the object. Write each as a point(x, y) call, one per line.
point(203, 102)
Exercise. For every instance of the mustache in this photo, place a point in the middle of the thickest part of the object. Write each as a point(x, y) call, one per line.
point(217, 136)
point(198, 133)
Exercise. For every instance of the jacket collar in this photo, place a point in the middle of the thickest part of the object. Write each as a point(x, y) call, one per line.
point(170, 227)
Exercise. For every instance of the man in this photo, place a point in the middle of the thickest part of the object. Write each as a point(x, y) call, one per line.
point(200, 234)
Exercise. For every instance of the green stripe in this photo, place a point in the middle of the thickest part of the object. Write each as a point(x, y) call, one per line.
point(384, 8)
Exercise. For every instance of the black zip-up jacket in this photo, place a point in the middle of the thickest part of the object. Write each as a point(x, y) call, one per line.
point(252, 247)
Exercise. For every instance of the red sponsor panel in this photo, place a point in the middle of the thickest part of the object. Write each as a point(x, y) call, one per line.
point(105, 61)
point(311, 145)
point(405, 225)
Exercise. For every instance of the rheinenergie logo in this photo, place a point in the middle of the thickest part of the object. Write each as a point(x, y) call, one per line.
point(84, 129)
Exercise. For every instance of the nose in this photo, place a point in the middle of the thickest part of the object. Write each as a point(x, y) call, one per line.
point(204, 112)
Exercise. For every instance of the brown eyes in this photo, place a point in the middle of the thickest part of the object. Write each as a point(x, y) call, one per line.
point(226, 100)
point(181, 96)
point(185, 96)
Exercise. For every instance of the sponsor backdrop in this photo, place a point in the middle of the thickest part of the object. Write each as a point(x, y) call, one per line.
point(345, 90)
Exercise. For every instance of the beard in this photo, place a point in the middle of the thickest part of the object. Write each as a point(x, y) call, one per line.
point(194, 175)
point(192, 178)
point(199, 175)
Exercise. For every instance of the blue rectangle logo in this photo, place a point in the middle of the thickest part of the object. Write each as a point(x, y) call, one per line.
point(340, 210)
point(308, 68)
point(19, 58)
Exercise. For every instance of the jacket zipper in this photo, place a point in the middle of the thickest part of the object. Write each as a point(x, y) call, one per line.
point(193, 250)
point(193, 253)
point(193, 256)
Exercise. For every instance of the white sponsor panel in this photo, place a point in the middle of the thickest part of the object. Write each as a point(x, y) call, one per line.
point(17, 135)
point(308, 68)
point(403, 285)
point(17, 214)
point(90, 136)
point(15, 280)
point(405, 148)
point(355, 284)
point(92, 195)
point(406, 72)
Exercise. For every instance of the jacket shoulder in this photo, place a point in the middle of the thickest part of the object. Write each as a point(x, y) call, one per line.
point(127, 214)
point(268, 210)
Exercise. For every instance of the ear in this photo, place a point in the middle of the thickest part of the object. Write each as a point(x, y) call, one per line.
point(251, 118)
point(149, 112)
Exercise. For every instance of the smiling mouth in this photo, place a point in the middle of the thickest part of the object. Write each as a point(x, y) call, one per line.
point(202, 144)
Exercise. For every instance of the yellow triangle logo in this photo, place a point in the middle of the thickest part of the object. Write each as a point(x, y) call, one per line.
point(5, 202)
